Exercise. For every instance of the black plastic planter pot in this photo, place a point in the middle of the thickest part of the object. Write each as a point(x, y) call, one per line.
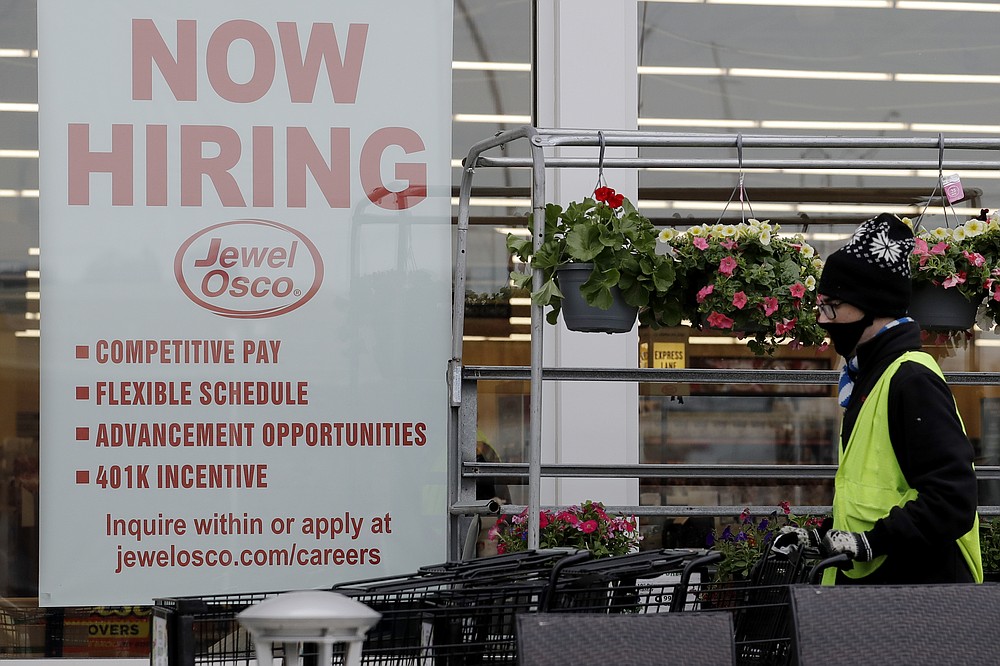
point(938, 309)
point(580, 316)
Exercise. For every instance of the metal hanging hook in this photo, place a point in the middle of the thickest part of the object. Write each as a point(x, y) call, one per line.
point(744, 200)
point(600, 160)
point(739, 161)
point(940, 155)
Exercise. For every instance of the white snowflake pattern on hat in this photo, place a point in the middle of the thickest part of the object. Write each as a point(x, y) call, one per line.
point(886, 251)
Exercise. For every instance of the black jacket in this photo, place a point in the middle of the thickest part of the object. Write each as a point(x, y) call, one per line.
point(936, 458)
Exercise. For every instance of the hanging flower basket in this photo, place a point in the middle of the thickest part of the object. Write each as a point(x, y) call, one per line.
point(937, 308)
point(617, 244)
point(748, 279)
point(578, 315)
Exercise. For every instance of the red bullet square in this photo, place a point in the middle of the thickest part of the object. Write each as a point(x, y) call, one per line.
point(82, 476)
point(82, 351)
point(82, 434)
point(83, 393)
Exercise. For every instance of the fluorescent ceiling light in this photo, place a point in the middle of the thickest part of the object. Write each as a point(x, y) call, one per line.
point(517, 231)
point(682, 71)
point(32, 295)
point(925, 5)
point(18, 53)
point(698, 122)
point(818, 74)
point(33, 252)
point(32, 274)
point(506, 203)
point(19, 106)
point(513, 337)
point(946, 78)
point(30, 333)
point(847, 126)
point(831, 125)
point(491, 118)
point(12, 152)
point(33, 316)
point(519, 321)
point(491, 66)
point(950, 127)
point(808, 74)
point(949, 6)
point(18, 194)
point(858, 4)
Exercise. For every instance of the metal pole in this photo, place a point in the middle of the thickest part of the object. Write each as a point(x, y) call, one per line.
point(537, 328)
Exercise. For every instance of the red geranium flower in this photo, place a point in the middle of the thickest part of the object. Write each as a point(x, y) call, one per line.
point(609, 196)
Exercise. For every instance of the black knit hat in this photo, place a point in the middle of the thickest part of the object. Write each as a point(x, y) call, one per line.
point(872, 271)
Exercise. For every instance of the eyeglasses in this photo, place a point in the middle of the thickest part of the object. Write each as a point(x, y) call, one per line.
point(829, 309)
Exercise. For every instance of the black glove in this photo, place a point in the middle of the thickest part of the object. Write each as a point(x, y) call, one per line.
point(853, 544)
point(789, 536)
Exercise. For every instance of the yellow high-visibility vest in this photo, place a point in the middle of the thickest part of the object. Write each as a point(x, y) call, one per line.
point(869, 481)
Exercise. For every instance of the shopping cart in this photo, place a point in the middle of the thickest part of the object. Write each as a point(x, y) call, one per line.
point(760, 604)
point(643, 582)
point(456, 613)
point(682, 581)
point(448, 613)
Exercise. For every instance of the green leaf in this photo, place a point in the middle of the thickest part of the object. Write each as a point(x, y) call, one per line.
point(548, 292)
point(519, 246)
point(583, 242)
point(520, 280)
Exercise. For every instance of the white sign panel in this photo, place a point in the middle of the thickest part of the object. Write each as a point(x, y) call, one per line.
point(246, 288)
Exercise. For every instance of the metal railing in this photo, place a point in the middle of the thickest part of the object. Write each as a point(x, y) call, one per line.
point(463, 470)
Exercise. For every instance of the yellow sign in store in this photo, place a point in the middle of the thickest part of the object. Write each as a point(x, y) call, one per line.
point(669, 355)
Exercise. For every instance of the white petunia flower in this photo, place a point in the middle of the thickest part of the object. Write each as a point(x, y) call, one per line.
point(941, 234)
point(974, 228)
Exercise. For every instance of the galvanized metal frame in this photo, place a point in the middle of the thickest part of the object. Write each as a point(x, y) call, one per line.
point(462, 468)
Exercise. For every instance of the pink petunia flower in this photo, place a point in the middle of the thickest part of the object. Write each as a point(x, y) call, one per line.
point(727, 266)
point(770, 305)
point(785, 326)
point(588, 526)
point(939, 248)
point(785, 506)
point(704, 292)
point(717, 320)
point(700, 243)
point(919, 246)
point(798, 290)
point(739, 300)
point(729, 243)
point(954, 280)
point(974, 258)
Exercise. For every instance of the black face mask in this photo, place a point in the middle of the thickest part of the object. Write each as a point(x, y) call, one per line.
point(845, 336)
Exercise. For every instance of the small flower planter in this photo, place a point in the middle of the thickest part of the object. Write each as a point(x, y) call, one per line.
point(578, 315)
point(938, 309)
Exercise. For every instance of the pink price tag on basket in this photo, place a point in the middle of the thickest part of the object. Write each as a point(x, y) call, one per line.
point(952, 186)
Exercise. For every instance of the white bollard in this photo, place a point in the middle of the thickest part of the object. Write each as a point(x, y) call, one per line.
point(309, 616)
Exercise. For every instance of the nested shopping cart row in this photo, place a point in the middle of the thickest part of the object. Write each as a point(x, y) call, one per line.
point(465, 612)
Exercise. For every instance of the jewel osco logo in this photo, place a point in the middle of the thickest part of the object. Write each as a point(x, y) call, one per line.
point(249, 269)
